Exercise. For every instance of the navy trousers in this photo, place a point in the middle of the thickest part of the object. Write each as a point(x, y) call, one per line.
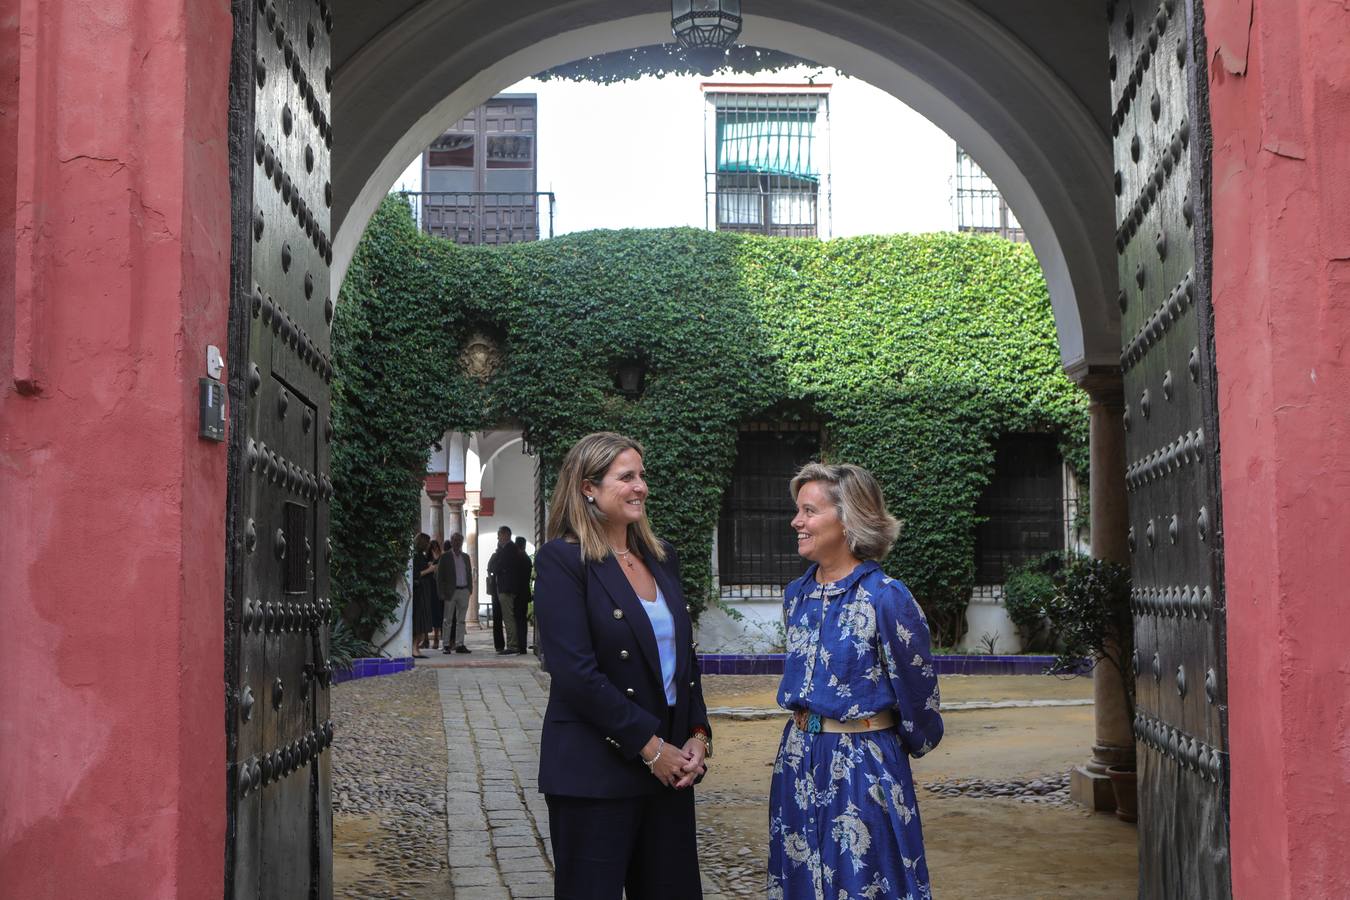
point(645, 846)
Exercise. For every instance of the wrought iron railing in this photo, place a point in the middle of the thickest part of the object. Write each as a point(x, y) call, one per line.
point(484, 217)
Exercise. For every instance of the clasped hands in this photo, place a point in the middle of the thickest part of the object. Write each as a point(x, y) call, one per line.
point(676, 767)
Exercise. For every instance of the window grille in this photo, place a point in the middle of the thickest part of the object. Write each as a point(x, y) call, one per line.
point(980, 207)
point(765, 169)
point(756, 547)
point(1023, 508)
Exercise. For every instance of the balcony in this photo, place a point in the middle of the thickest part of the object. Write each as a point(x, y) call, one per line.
point(484, 217)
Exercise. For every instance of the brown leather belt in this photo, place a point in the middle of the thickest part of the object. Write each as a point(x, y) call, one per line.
point(814, 724)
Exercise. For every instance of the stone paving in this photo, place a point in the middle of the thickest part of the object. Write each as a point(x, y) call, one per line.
point(498, 835)
point(493, 708)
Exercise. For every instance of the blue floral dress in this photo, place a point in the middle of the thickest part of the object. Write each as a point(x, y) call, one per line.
point(843, 818)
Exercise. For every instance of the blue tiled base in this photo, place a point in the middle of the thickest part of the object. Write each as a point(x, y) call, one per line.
point(368, 667)
point(772, 664)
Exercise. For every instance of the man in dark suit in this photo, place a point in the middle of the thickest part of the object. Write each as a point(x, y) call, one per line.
point(508, 568)
point(523, 601)
point(498, 636)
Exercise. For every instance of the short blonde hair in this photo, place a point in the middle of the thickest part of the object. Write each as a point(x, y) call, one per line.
point(570, 516)
point(869, 529)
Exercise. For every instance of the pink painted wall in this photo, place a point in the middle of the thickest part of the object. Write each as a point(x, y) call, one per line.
point(115, 187)
point(1280, 107)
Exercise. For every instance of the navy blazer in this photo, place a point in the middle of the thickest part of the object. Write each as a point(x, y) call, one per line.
point(607, 698)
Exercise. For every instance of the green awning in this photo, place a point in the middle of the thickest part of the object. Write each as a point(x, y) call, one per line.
point(766, 142)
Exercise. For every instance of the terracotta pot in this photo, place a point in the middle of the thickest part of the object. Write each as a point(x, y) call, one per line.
point(1125, 784)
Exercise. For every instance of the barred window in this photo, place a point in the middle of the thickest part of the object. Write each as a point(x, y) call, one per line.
point(980, 207)
point(766, 163)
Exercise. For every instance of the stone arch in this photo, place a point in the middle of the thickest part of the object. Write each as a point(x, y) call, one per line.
point(952, 61)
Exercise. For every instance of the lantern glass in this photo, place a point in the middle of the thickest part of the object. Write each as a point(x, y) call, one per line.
point(631, 375)
point(699, 24)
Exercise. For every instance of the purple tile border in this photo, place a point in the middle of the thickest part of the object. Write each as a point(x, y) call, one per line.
point(957, 664)
point(369, 667)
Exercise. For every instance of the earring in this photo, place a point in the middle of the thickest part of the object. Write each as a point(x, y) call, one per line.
point(590, 499)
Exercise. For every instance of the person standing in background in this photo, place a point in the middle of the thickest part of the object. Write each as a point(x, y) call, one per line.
point(454, 580)
point(498, 635)
point(422, 569)
point(523, 601)
point(437, 607)
point(508, 574)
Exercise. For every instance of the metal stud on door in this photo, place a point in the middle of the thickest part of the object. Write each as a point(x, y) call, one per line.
point(279, 839)
point(1160, 126)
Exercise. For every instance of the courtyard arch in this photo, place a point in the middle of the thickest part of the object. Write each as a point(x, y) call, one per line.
point(979, 78)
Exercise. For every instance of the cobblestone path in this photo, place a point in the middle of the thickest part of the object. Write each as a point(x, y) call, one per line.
point(498, 821)
point(435, 787)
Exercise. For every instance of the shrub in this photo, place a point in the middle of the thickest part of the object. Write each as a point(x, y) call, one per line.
point(1091, 612)
point(1028, 593)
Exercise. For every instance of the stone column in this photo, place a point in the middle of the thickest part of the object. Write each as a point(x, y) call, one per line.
point(454, 518)
point(1114, 739)
point(437, 515)
point(471, 548)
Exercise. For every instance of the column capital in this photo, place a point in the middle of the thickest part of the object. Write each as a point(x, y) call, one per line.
point(1104, 384)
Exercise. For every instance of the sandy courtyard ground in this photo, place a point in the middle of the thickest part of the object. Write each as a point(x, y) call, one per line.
point(394, 823)
point(977, 848)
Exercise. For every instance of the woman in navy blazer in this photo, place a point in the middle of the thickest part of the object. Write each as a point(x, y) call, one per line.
point(626, 731)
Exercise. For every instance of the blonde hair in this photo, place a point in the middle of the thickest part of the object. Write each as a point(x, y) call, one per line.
point(570, 516)
point(868, 528)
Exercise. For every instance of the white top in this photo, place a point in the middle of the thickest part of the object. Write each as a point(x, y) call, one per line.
point(663, 624)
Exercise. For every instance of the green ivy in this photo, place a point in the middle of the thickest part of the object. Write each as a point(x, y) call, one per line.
point(918, 351)
point(671, 59)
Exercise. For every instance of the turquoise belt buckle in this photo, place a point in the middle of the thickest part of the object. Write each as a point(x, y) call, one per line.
point(813, 723)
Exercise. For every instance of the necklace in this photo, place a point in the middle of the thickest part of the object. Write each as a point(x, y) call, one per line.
point(623, 556)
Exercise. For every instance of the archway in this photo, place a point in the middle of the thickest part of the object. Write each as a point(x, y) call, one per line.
point(970, 73)
point(954, 63)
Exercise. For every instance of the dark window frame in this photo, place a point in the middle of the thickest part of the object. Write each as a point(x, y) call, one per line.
point(755, 544)
point(1024, 507)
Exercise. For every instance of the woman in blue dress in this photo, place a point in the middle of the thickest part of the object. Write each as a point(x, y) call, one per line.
point(860, 682)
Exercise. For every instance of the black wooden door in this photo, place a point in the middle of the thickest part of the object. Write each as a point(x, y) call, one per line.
point(279, 838)
point(1162, 159)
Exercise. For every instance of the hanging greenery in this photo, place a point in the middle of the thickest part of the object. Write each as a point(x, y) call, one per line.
point(917, 351)
point(672, 59)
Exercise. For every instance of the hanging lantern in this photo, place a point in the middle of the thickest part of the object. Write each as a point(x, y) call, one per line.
point(630, 377)
point(705, 24)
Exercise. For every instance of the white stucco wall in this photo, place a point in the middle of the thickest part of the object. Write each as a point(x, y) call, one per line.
point(509, 479)
point(631, 155)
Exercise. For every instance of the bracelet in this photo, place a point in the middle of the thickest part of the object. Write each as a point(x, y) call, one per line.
point(659, 747)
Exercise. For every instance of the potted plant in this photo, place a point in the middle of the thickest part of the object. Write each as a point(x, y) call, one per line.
point(1090, 611)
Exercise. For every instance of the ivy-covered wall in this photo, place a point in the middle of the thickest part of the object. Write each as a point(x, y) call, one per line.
point(916, 350)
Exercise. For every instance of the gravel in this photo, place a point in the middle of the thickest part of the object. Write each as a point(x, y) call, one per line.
point(1050, 790)
point(389, 772)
